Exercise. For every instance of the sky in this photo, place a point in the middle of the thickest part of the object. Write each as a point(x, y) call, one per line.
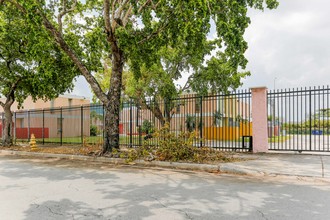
point(288, 47)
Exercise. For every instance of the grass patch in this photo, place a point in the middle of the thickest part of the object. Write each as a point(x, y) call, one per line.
point(125, 140)
point(278, 139)
point(170, 148)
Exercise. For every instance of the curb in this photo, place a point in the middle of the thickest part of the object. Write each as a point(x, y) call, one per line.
point(119, 161)
point(232, 169)
point(226, 168)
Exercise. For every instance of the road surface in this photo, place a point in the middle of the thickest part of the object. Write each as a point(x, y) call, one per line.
point(63, 189)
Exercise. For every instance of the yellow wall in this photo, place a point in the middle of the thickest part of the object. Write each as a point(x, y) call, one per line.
point(228, 133)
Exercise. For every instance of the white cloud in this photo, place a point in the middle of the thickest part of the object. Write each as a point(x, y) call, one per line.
point(290, 44)
point(82, 88)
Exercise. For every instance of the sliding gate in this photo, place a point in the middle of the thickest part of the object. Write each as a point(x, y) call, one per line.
point(299, 119)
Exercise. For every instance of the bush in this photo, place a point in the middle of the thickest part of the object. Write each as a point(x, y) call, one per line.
point(172, 147)
point(93, 130)
point(190, 123)
point(147, 127)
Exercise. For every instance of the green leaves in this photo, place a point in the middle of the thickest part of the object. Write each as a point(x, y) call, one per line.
point(218, 75)
point(30, 61)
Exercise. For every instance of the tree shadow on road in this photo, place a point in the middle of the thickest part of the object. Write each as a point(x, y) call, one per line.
point(101, 191)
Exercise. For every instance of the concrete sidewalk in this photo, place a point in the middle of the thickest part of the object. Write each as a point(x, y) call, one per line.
point(270, 164)
point(287, 164)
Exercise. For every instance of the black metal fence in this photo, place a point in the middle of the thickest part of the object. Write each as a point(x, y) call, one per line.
point(218, 121)
point(299, 119)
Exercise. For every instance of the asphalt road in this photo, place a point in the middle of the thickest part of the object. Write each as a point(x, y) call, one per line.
point(64, 189)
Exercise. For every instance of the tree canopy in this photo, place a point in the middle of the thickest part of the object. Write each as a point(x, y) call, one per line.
point(134, 32)
point(31, 64)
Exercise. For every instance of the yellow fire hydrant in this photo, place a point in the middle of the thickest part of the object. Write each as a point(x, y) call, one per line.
point(33, 143)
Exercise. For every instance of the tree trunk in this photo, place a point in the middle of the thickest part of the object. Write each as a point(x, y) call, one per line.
point(112, 108)
point(7, 138)
point(155, 109)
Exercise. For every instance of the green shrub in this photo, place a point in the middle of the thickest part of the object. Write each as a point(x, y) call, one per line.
point(93, 130)
point(190, 123)
point(172, 147)
point(147, 127)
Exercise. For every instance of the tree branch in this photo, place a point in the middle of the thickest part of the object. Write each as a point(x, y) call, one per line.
point(64, 12)
point(106, 18)
point(10, 97)
point(16, 4)
point(156, 32)
point(21, 44)
point(113, 23)
point(126, 16)
point(66, 48)
point(143, 6)
point(121, 9)
point(147, 38)
point(187, 84)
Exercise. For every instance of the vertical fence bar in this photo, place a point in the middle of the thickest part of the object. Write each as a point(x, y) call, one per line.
point(240, 117)
point(130, 124)
point(290, 125)
point(319, 121)
point(282, 118)
point(293, 125)
point(201, 122)
point(323, 117)
point(2, 123)
point(314, 123)
point(29, 126)
point(138, 123)
point(306, 117)
point(231, 110)
point(247, 107)
point(14, 131)
point(310, 119)
point(301, 118)
point(278, 124)
point(103, 121)
point(327, 116)
point(43, 126)
point(61, 127)
point(224, 122)
point(82, 125)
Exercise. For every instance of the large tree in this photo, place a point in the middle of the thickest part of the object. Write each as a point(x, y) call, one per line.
point(156, 89)
point(31, 64)
point(135, 31)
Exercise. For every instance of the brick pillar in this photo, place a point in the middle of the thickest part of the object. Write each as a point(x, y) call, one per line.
point(259, 119)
